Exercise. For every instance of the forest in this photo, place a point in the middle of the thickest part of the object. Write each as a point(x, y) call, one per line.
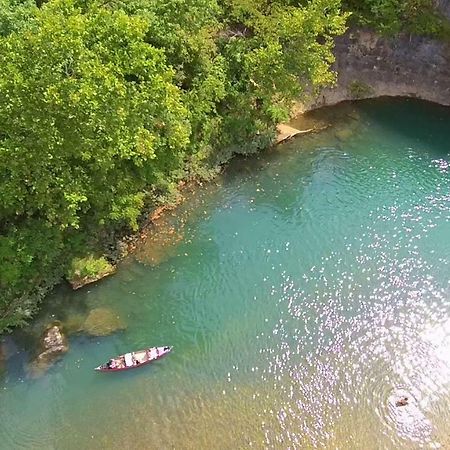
point(107, 105)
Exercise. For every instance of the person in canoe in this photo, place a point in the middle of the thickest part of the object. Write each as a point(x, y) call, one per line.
point(134, 359)
point(111, 364)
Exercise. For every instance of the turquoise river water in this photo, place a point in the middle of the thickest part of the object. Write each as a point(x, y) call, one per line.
point(304, 292)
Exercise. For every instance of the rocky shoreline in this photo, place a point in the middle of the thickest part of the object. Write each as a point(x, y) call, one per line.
point(367, 66)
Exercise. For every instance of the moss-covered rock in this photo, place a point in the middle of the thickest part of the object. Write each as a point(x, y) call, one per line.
point(88, 270)
point(102, 322)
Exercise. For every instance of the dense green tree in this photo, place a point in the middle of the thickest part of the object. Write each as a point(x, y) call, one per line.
point(90, 118)
point(275, 50)
point(187, 30)
point(394, 16)
point(15, 14)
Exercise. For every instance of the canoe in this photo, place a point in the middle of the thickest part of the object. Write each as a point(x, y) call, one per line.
point(134, 359)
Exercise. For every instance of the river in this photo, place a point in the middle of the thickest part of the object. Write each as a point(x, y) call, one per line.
point(304, 292)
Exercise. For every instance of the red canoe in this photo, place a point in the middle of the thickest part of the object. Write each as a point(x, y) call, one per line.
point(134, 359)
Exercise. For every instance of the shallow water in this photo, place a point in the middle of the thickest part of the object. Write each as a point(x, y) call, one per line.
point(310, 290)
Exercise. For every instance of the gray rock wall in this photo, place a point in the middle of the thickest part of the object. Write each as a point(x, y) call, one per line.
point(443, 6)
point(370, 66)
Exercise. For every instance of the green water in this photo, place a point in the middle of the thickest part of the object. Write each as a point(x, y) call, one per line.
point(305, 291)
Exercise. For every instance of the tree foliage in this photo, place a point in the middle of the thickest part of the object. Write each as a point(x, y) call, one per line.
point(15, 14)
point(90, 118)
point(106, 105)
point(275, 50)
point(394, 16)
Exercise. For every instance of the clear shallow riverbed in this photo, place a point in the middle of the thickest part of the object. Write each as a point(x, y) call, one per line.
point(303, 293)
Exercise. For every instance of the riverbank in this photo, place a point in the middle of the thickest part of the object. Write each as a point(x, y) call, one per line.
point(367, 66)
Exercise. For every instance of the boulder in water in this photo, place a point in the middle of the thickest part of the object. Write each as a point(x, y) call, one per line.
point(344, 134)
point(53, 345)
point(102, 321)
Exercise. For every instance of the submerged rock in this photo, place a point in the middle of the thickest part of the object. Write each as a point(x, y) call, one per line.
point(74, 323)
point(102, 321)
point(344, 134)
point(161, 244)
point(355, 115)
point(52, 346)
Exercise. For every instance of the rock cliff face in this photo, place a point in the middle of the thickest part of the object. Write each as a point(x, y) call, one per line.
point(371, 66)
point(443, 6)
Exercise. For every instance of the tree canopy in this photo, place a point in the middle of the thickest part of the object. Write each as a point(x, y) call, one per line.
point(394, 16)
